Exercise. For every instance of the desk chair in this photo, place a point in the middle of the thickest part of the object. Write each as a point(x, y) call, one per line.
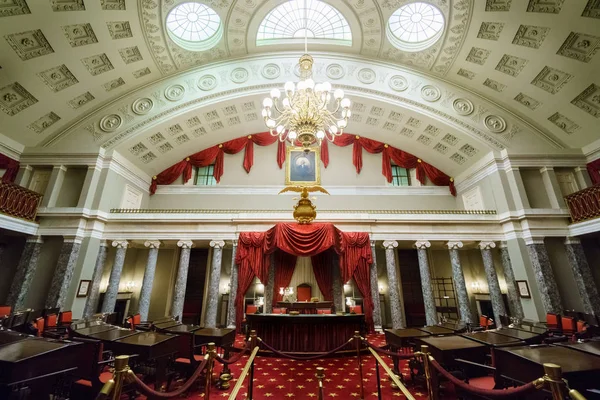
point(553, 322)
point(356, 310)
point(485, 322)
point(279, 310)
point(303, 292)
point(323, 310)
point(5, 310)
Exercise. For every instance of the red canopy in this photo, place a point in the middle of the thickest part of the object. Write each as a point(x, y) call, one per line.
point(353, 248)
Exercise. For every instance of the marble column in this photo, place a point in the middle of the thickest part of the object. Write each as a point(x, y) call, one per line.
point(270, 286)
point(514, 301)
point(586, 286)
point(426, 286)
point(148, 281)
point(375, 291)
point(338, 285)
point(110, 296)
point(233, 284)
point(462, 296)
point(63, 274)
point(544, 276)
point(25, 273)
point(492, 279)
point(181, 282)
point(396, 303)
point(213, 287)
point(91, 302)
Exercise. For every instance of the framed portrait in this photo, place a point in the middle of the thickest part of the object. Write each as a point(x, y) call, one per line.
point(84, 288)
point(303, 166)
point(523, 289)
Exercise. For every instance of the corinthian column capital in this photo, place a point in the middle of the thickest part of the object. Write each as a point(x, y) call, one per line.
point(487, 245)
point(153, 244)
point(422, 244)
point(390, 244)
point(217, 244)
point(185, 244)
point(120, 244)
point(454, 245)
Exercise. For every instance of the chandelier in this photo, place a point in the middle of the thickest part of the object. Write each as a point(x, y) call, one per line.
point(305, 112)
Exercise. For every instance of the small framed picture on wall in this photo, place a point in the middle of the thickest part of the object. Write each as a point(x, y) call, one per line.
point(302, 166)
point(84, 288)
point(523, 289)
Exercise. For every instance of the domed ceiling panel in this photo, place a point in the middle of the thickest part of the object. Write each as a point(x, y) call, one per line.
point(522, 73)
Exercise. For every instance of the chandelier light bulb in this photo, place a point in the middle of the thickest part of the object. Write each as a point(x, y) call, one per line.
point(342, 124)
point(268, 102)
point(271, 123)
point(346, 113)
point(275, 93)
point(338, 94)
point(265, 113)
point(320, 134)
point(301, 85)
point(289, 86)
point(310, 84)
point(292, 135)
point(333, 129)
point(286, 103)
point(346, 103)
point(318, 88)
point(326, 86)
point(280, 129)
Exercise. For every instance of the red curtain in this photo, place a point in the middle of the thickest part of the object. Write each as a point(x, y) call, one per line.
point(307, 240)
point(322, 267)
point(245, 278)
point(11, 166)
point(594, 171)
point(285, 264)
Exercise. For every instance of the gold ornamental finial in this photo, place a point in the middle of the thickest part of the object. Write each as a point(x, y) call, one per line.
point(304, 212)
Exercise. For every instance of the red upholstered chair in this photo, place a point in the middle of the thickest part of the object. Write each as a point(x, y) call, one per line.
point(65, 318)
point(250, 309)
point(553, 322)
point(5, 310)
point(279, 310)
point(581, 326)
point(569, 326)
point(303, 292)
point(356, 310)
point(133, 321)
point(323, 310)
point(38, 326)
point(485, 322)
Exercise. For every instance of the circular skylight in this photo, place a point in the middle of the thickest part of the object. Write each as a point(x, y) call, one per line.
point(194, 26)
point(415, 26)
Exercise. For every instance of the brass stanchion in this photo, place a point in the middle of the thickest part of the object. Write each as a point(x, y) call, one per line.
point(211, 352)
point(555, 381)
point(320, 376)
point(121, 369)
point(357, 339)
point(253, 344)
point(430, 374)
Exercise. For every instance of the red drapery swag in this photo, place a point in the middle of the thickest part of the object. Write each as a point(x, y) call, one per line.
point(353, 248)
point(11, 166)
point(285, 263)
point(215, 154)
point(594, 171)
point(321, 264)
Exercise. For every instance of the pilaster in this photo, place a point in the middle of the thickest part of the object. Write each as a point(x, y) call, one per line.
point(91, 302)
point(270, 286)
point(54, 186)
point(25, 272)
point(582, 176)
point(552, 188)
point(63, 274)
point(90, 184)
point(517, 188)
point(375, 290)
point(233, 282)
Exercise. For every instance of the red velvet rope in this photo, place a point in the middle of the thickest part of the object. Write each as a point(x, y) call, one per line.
point(493, 393)
point(300, 358)
point(389, 353)
point(235, 358)
point(148, 391)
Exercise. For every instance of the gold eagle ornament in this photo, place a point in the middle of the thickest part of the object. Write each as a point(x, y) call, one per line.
point(304, 212)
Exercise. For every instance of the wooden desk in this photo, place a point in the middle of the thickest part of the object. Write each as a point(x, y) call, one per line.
point(437, 330)
point(166, 324)
point(90, 330)
point(592, 348)
point(181, 328)
point(493, 339)
point(528, 337)
point(402, 338)
point(113, 334)
point(525, 364)
point(447, 348)
point(457, 327)
point(305, 307)
point(305, 333)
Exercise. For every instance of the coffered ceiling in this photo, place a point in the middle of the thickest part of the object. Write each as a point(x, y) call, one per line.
point(521, 75)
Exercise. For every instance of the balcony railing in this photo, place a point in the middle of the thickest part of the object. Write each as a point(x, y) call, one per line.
point(585, 204)
point(18, 202)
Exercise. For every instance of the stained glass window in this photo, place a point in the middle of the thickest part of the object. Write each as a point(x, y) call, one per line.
point(194, 26)
point(415, 26)
point(291, 20)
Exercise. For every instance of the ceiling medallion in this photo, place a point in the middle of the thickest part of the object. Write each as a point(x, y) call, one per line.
point(239, 75)
point(463, 106)
point(271, 71)
point(111, 122)
point(495, 123)
point(430, 93)
point(366, 75)
point(335, 71)
point(174, 92)
point(207, 82)
point(142, 106)
point(398, 83)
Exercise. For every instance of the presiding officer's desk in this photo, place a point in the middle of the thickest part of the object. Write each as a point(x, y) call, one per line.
point(305, 307)
point(306, 333)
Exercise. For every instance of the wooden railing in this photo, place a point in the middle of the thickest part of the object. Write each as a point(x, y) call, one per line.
point(585, 204)
point(18, 202)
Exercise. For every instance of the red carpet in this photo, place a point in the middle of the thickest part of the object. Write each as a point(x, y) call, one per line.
point(278, 378)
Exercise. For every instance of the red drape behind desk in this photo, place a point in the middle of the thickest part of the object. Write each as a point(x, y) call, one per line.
point(11, 166)
point(306, 240)
point(321, 264)
point(285, 264)
point(594, 171)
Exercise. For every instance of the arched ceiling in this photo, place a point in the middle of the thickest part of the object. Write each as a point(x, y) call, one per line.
point(521, 75)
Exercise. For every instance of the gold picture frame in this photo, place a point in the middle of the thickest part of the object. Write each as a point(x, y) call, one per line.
point(302, 166)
